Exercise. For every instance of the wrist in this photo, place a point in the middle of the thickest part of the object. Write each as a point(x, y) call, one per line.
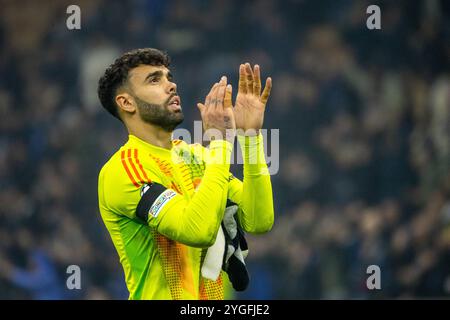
point(248, 132)
point(213, 134)
point(220, 151)
point(252, 148)
point(251, 142)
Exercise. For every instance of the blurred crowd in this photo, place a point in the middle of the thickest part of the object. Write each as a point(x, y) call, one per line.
point(364, 119)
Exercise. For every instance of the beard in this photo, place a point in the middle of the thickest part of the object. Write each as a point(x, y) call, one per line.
point(159, 114)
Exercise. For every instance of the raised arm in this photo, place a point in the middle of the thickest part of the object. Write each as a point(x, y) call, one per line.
point(196, 222)
point(255, 198)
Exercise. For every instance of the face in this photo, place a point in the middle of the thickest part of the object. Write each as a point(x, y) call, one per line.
point(155, 96)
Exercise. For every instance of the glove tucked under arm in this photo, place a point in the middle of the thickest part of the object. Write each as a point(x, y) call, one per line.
point(228, 252)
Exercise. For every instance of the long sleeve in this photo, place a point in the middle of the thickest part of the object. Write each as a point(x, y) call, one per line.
point(196, 222)
point(254, 195)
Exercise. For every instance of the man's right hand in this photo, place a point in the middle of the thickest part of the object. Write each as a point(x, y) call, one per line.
point(217, 112)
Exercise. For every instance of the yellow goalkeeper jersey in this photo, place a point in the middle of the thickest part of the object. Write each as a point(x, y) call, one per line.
point(162, 252)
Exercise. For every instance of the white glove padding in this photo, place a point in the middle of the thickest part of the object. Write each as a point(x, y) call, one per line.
point(228, 252)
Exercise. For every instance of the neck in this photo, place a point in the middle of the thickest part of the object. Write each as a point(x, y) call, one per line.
point(151, 134)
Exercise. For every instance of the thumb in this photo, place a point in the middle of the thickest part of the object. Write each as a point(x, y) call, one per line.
point(201, 107)
point(227, 103)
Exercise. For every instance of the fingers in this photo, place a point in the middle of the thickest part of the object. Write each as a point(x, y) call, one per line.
point(220, 96)
point(242, 80)
point(256, 80)
point(249, 77)
point(216, 96)
point(249, 80)
point(227, 100)
point(201, 107)
point(211, 94)
point(266, 91)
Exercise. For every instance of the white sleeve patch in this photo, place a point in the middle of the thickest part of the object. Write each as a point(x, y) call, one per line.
point(160, 202)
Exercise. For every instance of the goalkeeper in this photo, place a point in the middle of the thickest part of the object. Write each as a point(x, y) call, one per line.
point(163, 201)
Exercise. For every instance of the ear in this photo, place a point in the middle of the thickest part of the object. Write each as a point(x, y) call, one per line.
point(126, 102)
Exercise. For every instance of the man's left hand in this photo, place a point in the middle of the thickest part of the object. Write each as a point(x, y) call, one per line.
point(250, 103)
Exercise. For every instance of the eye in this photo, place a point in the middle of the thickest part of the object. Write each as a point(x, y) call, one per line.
point(154, 80)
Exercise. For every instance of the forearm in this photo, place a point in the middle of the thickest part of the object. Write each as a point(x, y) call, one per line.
point(257, 214)
point(197, 221)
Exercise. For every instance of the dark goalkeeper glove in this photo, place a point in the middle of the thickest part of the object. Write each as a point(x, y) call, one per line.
point(228, 252)
point(236, 249)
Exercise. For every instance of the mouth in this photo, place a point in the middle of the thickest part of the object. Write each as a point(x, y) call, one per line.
point(175, 103)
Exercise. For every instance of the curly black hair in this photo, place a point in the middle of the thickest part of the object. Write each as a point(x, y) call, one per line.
point(116, 74)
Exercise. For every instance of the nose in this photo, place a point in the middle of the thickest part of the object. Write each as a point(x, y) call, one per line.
point(172, 87)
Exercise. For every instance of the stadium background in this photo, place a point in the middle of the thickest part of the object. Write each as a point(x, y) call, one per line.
point(364, 119)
